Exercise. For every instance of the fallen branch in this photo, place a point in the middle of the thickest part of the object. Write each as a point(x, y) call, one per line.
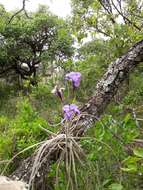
point(92, 110)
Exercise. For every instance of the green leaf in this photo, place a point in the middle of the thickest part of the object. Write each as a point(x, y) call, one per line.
point(127, 118)
point(138, 152)
point(115, 186)
point(130, 168)
point(130, 160)
point(107, 182)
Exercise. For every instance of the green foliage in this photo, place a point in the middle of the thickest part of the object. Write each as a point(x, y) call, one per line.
point(22, 131)
point(115, 186)
point(7, 100)
point(42, 40)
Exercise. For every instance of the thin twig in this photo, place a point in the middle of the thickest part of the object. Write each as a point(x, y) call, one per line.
point(135, 118)
point(124, 17)
point(22, 9)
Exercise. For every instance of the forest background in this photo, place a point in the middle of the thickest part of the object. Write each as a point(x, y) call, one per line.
point(37, 50)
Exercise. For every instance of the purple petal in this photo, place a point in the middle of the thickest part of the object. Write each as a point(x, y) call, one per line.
point(75, 77)
point(66, 108)
point(70, 111)
point(73, 106)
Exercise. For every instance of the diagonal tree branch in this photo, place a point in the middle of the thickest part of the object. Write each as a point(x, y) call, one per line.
point(94, 108)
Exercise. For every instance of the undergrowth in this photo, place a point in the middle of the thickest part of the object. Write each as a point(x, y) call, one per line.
point(113, 147)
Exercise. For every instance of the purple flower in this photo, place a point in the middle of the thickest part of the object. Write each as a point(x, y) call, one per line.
point(70, 111)
point(75, 77)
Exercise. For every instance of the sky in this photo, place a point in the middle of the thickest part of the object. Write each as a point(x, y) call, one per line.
point(61, 8)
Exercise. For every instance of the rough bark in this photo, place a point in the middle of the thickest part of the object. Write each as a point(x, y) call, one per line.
point(105, 91)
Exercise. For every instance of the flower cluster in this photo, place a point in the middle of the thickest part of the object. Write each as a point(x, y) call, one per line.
point(75, 77)
point(70, 111)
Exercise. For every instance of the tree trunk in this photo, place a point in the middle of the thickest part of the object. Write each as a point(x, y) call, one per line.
point(105, 91)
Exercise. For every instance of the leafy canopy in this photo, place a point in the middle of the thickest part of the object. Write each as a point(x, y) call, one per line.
point(27, 43)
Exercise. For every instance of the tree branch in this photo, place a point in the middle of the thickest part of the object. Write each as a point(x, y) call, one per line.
point(124, 17)
point(22, 9)
point(108, 9)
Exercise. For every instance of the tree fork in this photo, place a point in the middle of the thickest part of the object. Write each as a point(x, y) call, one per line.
point(107, 87)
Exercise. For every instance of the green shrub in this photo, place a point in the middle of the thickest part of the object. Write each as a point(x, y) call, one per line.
point(22, 131)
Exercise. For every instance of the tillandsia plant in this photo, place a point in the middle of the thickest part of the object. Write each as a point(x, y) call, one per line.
point(71, 151)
